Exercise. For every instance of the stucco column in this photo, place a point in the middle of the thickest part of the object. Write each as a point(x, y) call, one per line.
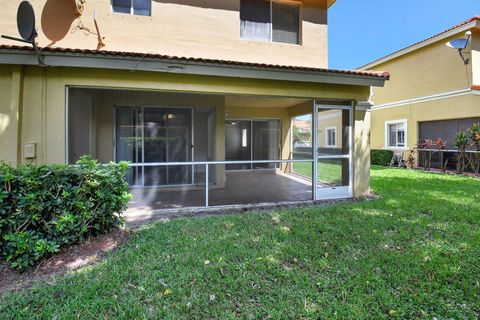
point(361, 158)
point(11, 119)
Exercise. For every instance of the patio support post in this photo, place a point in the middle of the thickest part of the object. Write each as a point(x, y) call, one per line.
point(315, 150)
point(351, 139)
point(206, 185)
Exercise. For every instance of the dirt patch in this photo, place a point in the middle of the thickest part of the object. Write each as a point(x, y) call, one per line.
point(69, 259)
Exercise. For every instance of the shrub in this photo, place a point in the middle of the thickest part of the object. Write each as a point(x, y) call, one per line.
point(44, 208)
point(381, 157)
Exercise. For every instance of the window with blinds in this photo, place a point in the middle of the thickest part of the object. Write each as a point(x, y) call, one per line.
point(269, 20)
point(135, 7)
point(285, 23)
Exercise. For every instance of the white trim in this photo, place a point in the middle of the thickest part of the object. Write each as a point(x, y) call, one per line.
point(419, 45)
point(387, 133)
point(334, 128)
point(439, 96)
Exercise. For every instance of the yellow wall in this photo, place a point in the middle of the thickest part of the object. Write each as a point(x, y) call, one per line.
point(9, 115)
point(361, 154)
point(43, 101)
point(429, 71)
point(467, 106)
point(328, 119)
point(190, 28)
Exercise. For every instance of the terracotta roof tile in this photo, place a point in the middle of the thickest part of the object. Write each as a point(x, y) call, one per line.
point(374, 74)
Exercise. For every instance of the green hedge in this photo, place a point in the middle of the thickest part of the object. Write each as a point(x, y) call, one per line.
point(381, 157)
point(44, 208)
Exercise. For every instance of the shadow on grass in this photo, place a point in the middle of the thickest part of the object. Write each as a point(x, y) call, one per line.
point(411, 254)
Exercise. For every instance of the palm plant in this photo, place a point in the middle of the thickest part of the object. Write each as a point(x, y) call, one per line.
point(461, 143)
point(425, 146)
point(474, 159)
point(441, 147)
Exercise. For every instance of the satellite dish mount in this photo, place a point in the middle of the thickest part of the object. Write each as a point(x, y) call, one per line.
point(460, 45)
point(26, 28)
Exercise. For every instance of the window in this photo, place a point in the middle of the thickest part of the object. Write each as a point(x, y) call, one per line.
point(331, 137)
point(269, 20)
point(136, 7)
point(396, 134)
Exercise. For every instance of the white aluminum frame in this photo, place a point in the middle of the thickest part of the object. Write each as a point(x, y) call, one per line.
point(207, 163)
point(338, 192)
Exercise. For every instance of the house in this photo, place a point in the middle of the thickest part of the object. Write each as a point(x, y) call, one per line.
point(432, 93)
point(198, 96)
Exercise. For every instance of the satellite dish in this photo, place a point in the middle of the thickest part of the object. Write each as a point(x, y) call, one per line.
point(26, 28)
point(458, 43)
point(26, 21)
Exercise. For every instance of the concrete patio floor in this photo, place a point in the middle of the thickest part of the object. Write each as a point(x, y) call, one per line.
point(241, 188)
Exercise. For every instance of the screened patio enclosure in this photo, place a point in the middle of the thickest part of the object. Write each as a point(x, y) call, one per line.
point(190, 149)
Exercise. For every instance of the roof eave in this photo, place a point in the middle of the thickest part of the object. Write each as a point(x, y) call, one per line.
point(105, 61)
point(330, 3)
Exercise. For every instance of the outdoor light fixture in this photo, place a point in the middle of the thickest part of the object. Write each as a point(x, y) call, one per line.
point(460, 45)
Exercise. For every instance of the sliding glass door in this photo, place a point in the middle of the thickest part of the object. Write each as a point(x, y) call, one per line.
point(129, 144)
point(238, 143)
point(247, 140)
point(150, 135)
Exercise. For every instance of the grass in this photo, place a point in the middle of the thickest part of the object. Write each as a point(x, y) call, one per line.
point(328, 172)
point(414, 253)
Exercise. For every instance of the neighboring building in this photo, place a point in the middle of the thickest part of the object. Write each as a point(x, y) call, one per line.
point(172, 85)
point(432, 93)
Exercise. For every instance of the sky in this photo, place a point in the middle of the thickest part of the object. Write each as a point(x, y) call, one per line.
point(361, 31)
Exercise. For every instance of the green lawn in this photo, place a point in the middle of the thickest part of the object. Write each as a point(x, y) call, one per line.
point(328, 172)
point(414, 253)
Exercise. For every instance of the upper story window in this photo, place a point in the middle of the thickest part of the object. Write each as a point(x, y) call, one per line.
point(270, 20)
point(396, 134)
point(136, 7)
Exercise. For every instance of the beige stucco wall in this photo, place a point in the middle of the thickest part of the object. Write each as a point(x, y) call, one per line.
point(190, 28)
